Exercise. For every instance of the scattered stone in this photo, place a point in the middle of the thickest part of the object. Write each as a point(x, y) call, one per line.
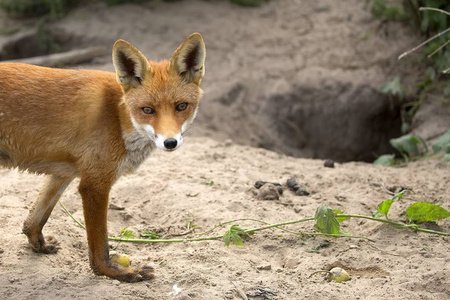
point(264, 267)
point(126, 215)
point(296, 188)
point(291, 182)
point(268, 192)
point(263, 293)
point(260, 183)
point(329, 163)
point(301, 191)
point(115, 207)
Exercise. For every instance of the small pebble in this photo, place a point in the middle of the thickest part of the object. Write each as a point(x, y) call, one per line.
point(268, 192)
point(295, 187)
point(260, 183)
point(329, 163)
point(291, 182)
point(300, 191)
point(264, 267)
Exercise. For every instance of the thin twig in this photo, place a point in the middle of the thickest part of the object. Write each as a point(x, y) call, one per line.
point(240, 291)
point(432, 38)
point(438, 49)
point(396, 224)
point(244, 219)
point(70, 215)
point(435, 9)
point(268, 226)
point(424, 43)
point(320, 271)
point(386, 190)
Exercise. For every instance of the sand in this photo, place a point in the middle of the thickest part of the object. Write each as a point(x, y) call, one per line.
point(206, 183)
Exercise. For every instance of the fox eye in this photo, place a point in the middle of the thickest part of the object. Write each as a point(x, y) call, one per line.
point(181, 107)
point(148, 110)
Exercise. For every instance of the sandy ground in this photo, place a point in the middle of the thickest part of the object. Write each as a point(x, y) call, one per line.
point(320, 39)
point(170, 190)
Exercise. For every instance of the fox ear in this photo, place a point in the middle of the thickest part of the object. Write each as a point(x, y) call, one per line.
point(189, 59)
point(130, 64)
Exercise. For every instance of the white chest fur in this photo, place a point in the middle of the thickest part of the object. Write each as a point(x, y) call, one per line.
point(138, 146)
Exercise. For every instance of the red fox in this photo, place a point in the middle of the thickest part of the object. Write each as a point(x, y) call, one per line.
point(97, 126)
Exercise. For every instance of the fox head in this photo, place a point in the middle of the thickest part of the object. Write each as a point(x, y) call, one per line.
point(162, 97)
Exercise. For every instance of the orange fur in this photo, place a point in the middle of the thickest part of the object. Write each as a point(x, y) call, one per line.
point(92, 125)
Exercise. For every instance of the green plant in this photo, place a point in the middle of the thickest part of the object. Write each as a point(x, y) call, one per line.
point(127, 233)
point(235, 235)
point(408, 147)
point(34, 8)
point(383, 207)
point(46, 41)
point(387, 11)
point(431, 18)
point(393, 88)
point(328, 223)
point(148, 234)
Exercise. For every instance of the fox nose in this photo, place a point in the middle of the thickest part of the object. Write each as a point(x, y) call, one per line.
point(170, 144)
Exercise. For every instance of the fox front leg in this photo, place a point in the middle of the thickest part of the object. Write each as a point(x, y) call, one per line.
point(95, 193)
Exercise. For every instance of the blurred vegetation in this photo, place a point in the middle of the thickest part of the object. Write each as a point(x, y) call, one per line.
point(427, 22)
point(58, 8)
point(34, 8)
point(249, 2)
point(435, 55)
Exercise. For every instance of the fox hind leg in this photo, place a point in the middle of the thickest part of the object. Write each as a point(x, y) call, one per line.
point(42, 208)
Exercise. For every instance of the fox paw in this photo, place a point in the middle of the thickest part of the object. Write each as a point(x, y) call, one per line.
point(140, 273)
point(127, 274)
point(49, 245)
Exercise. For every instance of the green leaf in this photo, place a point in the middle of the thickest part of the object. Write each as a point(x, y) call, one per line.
point(425, 212)
point(126, 233)
point(399, 194)
point(385, 160)
point(339, 212)
point(234, 235)
point(442, 142)
point(149, 234)
point(326, 221)
point(383, 208)
point(407, 144)
point(394, 88)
